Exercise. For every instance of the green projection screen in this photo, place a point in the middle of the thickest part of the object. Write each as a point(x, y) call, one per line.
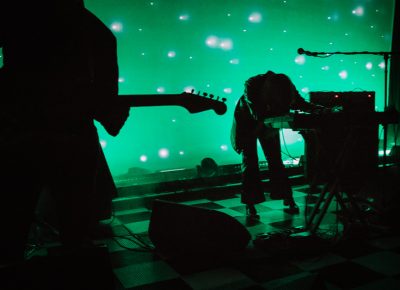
point(213, 46)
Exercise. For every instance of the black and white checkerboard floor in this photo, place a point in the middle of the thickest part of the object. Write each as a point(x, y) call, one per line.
point(369, 262)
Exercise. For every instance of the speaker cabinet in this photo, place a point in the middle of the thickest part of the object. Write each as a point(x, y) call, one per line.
point(337, 149)
point(350, 101)
point(177, 229)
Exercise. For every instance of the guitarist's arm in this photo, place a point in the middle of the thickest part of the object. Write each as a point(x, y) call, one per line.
point(113, 118)
point(109, 110)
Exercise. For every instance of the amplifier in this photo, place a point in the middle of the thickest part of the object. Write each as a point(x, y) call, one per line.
point(350, 101)
point(351, 152)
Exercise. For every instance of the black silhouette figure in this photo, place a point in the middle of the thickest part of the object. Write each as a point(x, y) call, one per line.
point(265, 95)
point(60, 73)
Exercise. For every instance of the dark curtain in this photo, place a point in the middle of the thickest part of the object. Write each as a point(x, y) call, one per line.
point(394, 77)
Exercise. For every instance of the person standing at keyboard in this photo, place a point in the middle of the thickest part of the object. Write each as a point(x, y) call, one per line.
point(265, 95)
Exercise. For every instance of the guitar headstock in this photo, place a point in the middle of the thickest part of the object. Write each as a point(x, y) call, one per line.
point(200, 102)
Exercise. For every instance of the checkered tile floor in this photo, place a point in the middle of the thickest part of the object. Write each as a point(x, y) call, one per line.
point(342, 255)
point(364, 261)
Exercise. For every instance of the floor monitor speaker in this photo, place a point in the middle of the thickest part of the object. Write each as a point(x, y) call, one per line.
point(183, 229)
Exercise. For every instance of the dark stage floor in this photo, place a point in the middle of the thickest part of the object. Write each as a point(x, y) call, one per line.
point(363, 257)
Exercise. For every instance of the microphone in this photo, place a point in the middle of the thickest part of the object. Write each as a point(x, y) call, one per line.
point(300, 51)
point(306, 52)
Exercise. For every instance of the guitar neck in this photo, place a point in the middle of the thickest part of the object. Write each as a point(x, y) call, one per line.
point(151, 100)
point(191, 102)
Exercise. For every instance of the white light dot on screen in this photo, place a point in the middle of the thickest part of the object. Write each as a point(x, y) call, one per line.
point(189, 89)
point(160, 90)
point(368, 66)
point(359, 11)
point(212, 41)
point(305, 90)
point(103, 143)
point(228, 14)
point(325, 67)
point(151, 3)
point(284, 31)
point(208, 85)
point(255, 17)
point(271, 49)
point(181, 152)
point(228, 90)
point(116, 26)
point(171, 54)
point(121, 80)
point(173, 120)
point(300, 60)
point(143, 158)
point(372, 26)
point(343, 74)
point(334, 17)
point(163, 153)
point(382, 65)
point(244, 30)
point(234, 61)
point(224, 147)
point(143, 54)
point(184, 17)
point(190, 57)
point(140, 29)
point(226, 44)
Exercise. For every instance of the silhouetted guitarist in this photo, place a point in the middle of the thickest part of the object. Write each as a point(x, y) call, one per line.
point(60, 73)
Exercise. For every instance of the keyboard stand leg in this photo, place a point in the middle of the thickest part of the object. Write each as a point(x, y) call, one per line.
point(324, 202)
point(317, 207)
point(330, 192)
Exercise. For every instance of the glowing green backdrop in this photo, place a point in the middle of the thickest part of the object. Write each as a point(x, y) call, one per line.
point(214, 46)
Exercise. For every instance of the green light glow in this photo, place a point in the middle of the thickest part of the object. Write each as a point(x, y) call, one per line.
point(214, 46)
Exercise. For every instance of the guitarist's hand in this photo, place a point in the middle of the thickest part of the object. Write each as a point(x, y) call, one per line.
point(113, 119)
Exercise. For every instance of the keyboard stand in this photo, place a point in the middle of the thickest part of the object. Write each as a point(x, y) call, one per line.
point(334, 189)
point(328, 193)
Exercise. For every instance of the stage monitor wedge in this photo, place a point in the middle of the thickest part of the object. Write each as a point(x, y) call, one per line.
point(178, 230)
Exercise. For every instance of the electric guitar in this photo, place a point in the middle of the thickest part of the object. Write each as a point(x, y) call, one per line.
point(194, 103)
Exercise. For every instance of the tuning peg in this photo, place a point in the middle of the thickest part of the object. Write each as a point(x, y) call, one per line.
point(192, 91)
point(224, 100)
point(205, 94)
point(211, 96)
